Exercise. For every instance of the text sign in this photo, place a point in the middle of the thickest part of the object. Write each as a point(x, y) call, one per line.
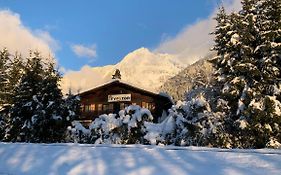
point(119, 97)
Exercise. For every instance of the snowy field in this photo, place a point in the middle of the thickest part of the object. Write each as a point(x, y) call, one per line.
point(74, 159)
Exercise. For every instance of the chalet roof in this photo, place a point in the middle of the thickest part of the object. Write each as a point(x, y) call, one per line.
point(120, 82)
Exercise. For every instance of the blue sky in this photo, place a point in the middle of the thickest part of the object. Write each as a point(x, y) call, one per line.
point(111, 29)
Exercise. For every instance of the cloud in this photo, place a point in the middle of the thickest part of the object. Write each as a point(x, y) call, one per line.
point(18, 38)
point(85, 51)
point(194, 41)
point(84, 79)
point(48, 39)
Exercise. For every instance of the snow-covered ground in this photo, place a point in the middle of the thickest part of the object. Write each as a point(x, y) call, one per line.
point(76, 159)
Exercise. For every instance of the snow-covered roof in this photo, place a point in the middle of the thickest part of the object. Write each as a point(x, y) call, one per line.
point(127, 84)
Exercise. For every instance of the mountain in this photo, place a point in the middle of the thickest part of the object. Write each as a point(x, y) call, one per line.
point(197, 74)
point(141, 68)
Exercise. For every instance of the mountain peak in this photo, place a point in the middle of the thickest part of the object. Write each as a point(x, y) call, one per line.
point(155, 67)
point(142, 50)
point(138, 54)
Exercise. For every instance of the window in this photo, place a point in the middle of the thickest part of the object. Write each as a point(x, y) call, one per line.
point(105, 107)
point(122, 106)
point(150, 106)
point(87, 108)
point(143, 104)
point(110, 107)
point(99, 107)
point(82, 108)
point(92, 107)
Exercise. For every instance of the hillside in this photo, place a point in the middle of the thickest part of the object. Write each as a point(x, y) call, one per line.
point(75, 159)
point(199, 73)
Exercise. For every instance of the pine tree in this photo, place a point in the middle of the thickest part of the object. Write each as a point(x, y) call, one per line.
point(266, 117)
point(51, 124)
point(26, 102)
point(71, 107)
point(249, 72)
point(15, 73)
point(4, 78)
point(2, 127)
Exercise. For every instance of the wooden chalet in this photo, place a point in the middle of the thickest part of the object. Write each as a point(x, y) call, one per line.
point(116, 95)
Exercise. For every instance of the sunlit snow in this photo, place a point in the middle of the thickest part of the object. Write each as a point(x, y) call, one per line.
point(75, 159)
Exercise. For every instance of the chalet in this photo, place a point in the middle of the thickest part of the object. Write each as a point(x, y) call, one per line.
point(116, 95)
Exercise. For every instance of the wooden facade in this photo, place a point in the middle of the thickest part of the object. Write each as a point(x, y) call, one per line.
point(115, 96)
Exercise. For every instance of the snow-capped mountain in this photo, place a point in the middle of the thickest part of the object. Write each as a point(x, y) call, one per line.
point(141, 68)
point(199, 73)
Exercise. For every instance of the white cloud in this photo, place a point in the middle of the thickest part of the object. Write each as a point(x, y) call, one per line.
point(84, 79)
point(84, 51)
point(47, 38)
point(18, 38)
point(194, 41)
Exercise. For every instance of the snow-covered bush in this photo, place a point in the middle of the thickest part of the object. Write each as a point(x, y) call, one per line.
point(188, 123)
point(77, 133)
point(168, 131)
point(273, 143)
point(125, 128)
point(106, 129)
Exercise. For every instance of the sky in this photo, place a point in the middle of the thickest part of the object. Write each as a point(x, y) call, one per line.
point(84, 36)
point(98, 33)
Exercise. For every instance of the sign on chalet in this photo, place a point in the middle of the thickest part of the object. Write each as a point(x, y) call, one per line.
point(116, 95)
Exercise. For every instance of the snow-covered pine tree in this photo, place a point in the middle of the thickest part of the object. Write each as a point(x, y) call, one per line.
point(71, 108)
point(15, 72)
point(24, 112)
point(51, 124)
point(4, 93)
point(4, 77)
point(36, 112)
point(10, 76)
point(265, 110)
point(2, 127)
point(241, 77)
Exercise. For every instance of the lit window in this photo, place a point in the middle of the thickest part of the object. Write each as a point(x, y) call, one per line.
point(122, 106)
point(87, 108)
point(99, 107)
point(82, 108)
point(92, 107)
point(143, 104)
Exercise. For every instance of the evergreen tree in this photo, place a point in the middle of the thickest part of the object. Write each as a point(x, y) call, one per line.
point(71, 106)
point(248, 73)
point(36, 112)
point(15, 73)
point(4, 78)
point(2, 127)
point(50, 125)
point(24, 112)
